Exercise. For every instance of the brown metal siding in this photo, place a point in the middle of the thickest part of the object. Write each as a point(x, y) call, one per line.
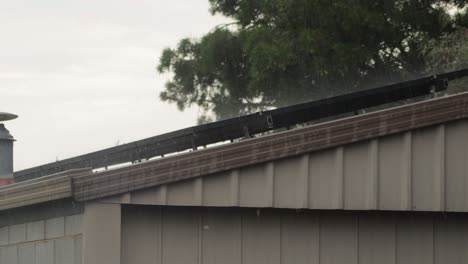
point(165, 235)
point(421, 170)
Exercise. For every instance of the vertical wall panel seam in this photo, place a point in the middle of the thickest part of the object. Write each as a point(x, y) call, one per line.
point(433, 239)
point(75, 244)
point(406, 200)
point(198, 191)
point(465, 178)
point(234, 187)
point(200, 237)
point(241, 238)
point(269, 170)
point(357, 238)
point(281, 218)
point(441, 170)
point(161, 226)
point(319, 238)
point(303, 199)
point(64, 227)
point(8, 234)
point(395, 230)
point(465, 247)
point(164, 194)
point(373, 190)
point(54, 257)
point(340, 190)
point(45, 229)
point(27, 228)
point(119, 230)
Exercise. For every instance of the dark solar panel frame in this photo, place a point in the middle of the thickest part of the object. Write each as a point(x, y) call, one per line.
point(248, 125)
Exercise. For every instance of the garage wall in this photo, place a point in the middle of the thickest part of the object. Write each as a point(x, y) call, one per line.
point(167, 235)
point(50, 241)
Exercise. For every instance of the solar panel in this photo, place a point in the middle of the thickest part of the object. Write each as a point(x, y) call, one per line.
point(248, 125)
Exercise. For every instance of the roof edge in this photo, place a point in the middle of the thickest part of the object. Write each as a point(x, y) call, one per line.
point(48, 188)
point(271, 147)
point(84, 185)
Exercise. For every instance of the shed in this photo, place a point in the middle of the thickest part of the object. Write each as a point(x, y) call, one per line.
point(383, 187)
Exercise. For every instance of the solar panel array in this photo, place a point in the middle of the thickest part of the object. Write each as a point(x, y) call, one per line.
point(246, 126)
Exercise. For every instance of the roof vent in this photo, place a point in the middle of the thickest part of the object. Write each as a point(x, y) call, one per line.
point(6, 151)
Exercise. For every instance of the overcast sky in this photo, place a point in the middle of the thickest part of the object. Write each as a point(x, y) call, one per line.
point(81, 73)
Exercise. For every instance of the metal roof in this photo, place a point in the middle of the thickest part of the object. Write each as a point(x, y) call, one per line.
point(84, 185)
point(271, 147)
point(47, 188)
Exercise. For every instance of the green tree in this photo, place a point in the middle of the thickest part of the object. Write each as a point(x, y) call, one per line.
point(448, 53)
point(279, 52)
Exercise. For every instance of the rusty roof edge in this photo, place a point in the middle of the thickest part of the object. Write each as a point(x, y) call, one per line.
point(146, 175)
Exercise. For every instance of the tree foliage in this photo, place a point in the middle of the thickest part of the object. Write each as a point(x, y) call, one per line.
point(449, 53)
point(279, 52)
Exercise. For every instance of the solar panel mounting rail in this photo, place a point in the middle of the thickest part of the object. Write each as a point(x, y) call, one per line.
point(248, 125)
